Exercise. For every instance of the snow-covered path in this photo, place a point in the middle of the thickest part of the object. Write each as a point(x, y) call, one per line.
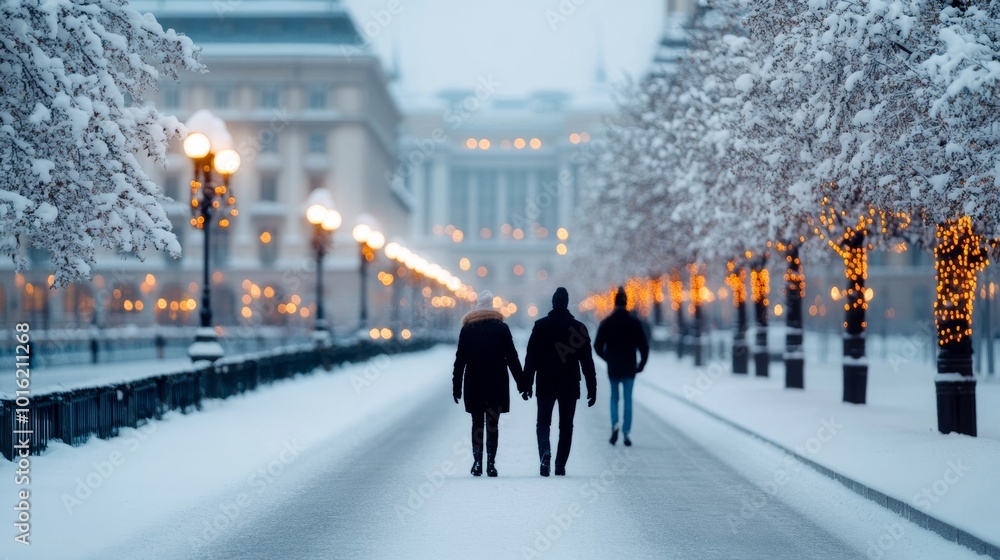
point(310, 468)
point(408, 494)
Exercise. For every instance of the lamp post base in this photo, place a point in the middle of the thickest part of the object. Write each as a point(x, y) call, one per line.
point(206, 346)
point(322, 337)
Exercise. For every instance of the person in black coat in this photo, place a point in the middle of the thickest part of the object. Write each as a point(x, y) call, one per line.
point(485, 352)
point(558, 350)
point(619, 337)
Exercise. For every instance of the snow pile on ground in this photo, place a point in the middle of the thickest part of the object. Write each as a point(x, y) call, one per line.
point(890, 444)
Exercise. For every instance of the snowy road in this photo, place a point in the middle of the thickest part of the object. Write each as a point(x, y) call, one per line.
point(407, 493)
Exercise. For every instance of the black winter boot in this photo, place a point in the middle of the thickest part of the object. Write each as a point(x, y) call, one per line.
point(543, 469)
point(477, 464)
point(614, 434)
point(491, 469)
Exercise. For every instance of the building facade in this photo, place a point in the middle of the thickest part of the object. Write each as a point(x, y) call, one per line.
point(308, 106)
point(495, 181)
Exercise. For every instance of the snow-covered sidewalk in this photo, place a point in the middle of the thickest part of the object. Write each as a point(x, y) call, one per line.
point(86, 498)
point(890, 444)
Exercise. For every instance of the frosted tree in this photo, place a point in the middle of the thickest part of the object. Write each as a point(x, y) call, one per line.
point(71, 138)
point(827, 111)
point(888, 110)
point(956, 142)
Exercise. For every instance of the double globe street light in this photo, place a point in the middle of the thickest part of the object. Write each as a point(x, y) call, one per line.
point(325, 220)
point(214, 163)
point(370, 240)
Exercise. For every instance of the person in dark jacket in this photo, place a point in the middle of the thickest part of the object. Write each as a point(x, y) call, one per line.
point(619, 337)
point(485, 352)
point(559, 348)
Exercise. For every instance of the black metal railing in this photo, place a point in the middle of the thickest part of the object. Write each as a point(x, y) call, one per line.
point(103, 345)
point(76, 415)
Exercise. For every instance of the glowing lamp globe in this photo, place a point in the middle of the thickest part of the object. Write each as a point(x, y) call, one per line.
point(361, 232)
point(227, 162)
point(332, 220)
point(392, 250)
point(376, 240)
point(197, 145)
point(315, 214)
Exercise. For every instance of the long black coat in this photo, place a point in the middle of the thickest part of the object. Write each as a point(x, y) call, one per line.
point(485, 352)
point(619, 337)
point(558, 350)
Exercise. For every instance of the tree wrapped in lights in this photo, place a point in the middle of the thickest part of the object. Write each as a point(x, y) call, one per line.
point(760, 291)
point(795, 292)
point(696, 279)
point(851, 238)
point(959, 256)
point(677, 298)
point(736, 279)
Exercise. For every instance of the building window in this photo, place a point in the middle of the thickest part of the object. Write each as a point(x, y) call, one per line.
point(269, 97)
point(486, 203)
point(317, 98)
point(317, 142)
point(458, 199)
point(223, 98)
point(269, 141)
point(269, 188)
point(517, 199)
point(547, 199)
point(172, 186)
point(171, 97)
point(268, 247)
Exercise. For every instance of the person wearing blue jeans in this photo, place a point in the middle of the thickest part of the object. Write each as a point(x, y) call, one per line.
point(626, 383)
point(619, 337)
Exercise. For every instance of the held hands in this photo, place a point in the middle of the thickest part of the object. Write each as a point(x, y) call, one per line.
point(456, 396)
point(591, 399)
point(526, 394)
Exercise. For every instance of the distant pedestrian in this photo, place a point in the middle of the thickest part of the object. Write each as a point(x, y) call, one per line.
point(558, 350)
point(485, 352)
point(619, 337)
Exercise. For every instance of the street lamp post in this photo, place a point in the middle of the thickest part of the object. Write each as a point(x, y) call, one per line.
point(325, 221)
point(369, 240)
point(210, 195)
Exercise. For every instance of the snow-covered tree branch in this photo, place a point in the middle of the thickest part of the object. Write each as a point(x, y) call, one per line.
point(70, 137)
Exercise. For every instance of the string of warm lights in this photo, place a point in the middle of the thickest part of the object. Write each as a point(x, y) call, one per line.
point(737, 282)
point(221, 191)
point(795, 280)
point(760, 286)
point(850, 241)
point(698, 288)
point(959, 257)
point(642, 293)
point(676, 287)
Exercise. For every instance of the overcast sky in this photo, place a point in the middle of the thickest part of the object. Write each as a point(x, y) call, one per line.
point(525, 44)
